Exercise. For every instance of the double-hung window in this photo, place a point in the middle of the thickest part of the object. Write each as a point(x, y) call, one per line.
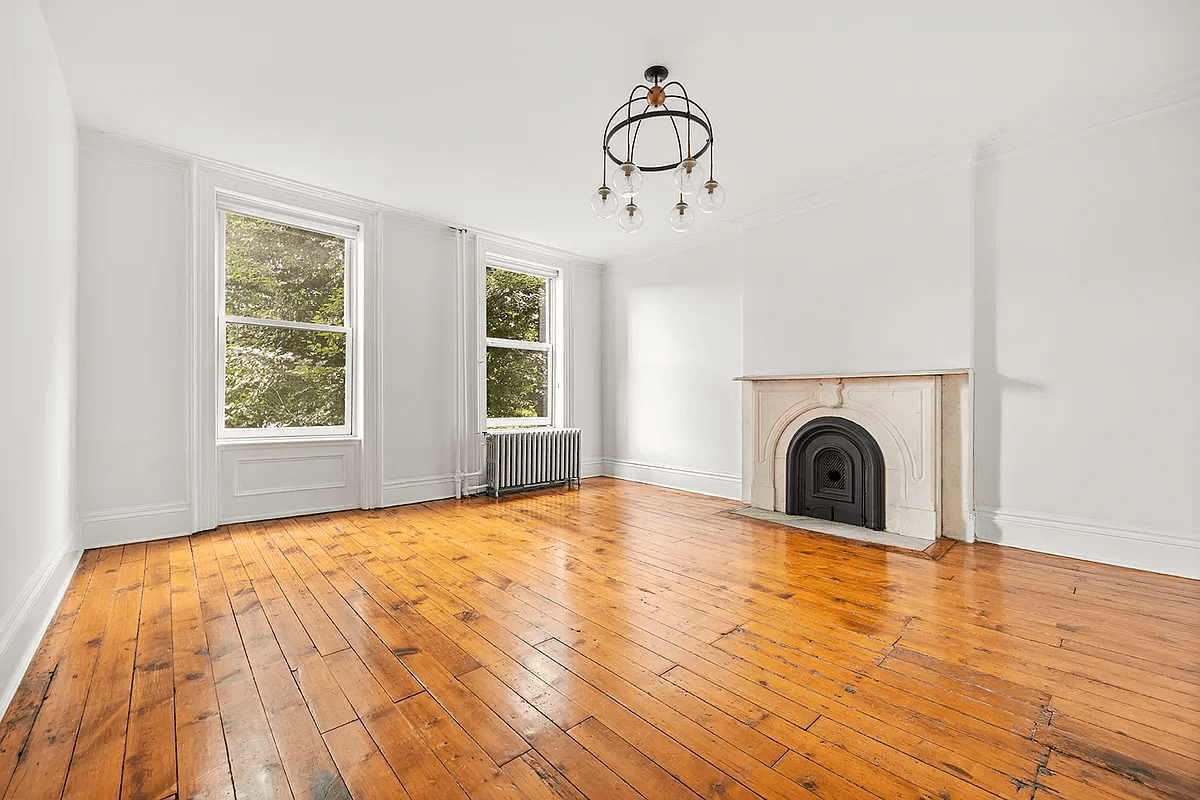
point(285, 326)
point(521, 325)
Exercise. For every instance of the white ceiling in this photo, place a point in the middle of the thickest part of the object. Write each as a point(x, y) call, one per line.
point(490, 114)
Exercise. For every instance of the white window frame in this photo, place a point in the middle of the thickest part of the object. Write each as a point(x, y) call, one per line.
point(352, 234)
point(551, 347)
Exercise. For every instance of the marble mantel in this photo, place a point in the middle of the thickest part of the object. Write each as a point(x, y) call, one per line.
point(920, 419)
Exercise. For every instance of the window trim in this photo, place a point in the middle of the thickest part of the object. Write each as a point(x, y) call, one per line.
point(551, 347)
point(352, 234)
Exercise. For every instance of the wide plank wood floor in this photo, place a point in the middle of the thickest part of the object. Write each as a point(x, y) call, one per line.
point(616, 641)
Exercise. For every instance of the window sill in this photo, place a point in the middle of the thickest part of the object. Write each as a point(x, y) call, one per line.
point(294, 441)
point(505, 423)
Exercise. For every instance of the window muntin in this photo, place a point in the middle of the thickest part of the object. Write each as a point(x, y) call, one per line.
point(520, 351)
point(286, 347)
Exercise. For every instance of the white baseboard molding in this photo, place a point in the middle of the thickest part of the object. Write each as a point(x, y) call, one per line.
point(591, 468)
point(404, 491)
point(25, 624)
point(134, 524)
point(291, 512)
point(716, 484)
point(1091, 540)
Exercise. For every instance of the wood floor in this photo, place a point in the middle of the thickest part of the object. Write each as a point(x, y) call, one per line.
point(616, 641)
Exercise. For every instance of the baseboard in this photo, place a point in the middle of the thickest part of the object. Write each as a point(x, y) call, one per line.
point(291, 512)
point(417, 490)
point(591, 468)
point(116, 526)
point(1091, 540)
point(716, 484)
point(146, 523)
point(25, 624)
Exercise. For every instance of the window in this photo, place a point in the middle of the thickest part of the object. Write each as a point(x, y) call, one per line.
point(520, 346)
point(285, 323)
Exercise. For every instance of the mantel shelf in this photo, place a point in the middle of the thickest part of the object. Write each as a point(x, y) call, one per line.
point(910, 374)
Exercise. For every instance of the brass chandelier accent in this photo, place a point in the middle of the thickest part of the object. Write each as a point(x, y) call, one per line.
point(661, 103)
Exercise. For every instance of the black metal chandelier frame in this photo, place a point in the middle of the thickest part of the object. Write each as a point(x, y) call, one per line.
point(692, 113)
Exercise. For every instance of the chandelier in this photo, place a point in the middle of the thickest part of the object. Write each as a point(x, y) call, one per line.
point(693, 134)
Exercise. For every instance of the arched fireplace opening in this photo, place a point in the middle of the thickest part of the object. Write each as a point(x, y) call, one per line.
point(835, 471)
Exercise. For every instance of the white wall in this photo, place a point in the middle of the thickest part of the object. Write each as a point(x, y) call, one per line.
point(38, 528)
point(587, 371)
point(134, 374)
point(417, 276)
point(672, 347)
point(1088, 344)
point(875, 281)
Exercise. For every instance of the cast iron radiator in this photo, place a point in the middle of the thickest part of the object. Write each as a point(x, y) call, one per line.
point(528, 459)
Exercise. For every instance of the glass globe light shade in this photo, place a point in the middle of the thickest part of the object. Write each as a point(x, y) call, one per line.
point(630, 218)
point(712, 198)
point(689, 176)
point(604, 202)
point(626, 180)
point(682, 217)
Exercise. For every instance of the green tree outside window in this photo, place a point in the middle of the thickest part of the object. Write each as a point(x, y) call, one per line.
point(278, 377)
point(517, 379)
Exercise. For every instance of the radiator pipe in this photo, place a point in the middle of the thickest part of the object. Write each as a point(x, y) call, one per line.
point(460, 404)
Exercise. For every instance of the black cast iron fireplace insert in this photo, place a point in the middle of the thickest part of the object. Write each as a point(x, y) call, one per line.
point(835, 472)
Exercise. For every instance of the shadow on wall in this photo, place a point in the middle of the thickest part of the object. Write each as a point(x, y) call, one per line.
point(990, 385)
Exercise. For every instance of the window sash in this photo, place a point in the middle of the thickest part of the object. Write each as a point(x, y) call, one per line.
point(526, 421)
point(297, 218)
point(546, 315)
point(518, 344)
point(283, 323)
point(344, 430)
point(530, 422)
point(349, 248)
point(550, 276)
point(511, 264)
point(292, 216)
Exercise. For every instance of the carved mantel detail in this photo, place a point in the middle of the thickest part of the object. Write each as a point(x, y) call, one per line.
point(829, 393)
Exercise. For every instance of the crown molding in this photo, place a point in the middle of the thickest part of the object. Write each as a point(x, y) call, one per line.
point(105, 144)
point(859, 185)
point(726, 230)
point(391, 218)
point(538, 250)
point(862, 184)
point(1048, 130)
point(151, 154)
point(1000, 143)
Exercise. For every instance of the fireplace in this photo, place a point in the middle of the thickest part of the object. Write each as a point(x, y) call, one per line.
point(835, 471)
point(884, 452)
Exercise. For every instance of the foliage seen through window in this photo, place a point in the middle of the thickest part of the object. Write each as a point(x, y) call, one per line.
point(282, 377)
point(517, 378)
